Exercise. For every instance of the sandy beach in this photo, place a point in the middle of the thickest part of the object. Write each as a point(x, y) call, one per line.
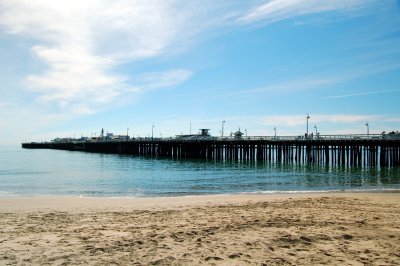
point(288, 229)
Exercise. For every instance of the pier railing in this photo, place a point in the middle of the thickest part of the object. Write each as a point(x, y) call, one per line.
point(296, 138)
point(309, 137)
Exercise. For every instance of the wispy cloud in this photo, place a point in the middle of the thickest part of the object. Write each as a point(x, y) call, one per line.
point(276, 10)
point(19, 123)
point(360, 94)
point(156, 80)
point(294, 84)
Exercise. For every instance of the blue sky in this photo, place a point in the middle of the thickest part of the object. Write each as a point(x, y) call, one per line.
point(73, 67)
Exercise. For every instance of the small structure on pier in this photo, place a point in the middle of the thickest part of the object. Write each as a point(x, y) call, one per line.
point(238, 134)
point(204, 132)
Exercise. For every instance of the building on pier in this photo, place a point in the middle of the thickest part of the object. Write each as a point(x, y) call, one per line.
point(203, 134)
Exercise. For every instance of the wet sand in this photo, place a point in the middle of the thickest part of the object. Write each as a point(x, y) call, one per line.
point(301, 229)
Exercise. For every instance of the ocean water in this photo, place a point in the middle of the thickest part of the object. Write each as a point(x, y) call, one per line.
point(25, 172)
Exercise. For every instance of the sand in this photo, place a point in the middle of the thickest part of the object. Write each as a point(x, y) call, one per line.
point(333, 229)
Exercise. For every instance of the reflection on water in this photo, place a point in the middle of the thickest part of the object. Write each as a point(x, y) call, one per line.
point(53, 172)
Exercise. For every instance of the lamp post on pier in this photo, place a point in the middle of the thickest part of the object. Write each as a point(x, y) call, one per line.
point(308, 117)
point(275, 132)
point(367, 125)
point(316, 130)
point(222, 131)
point(152, 128)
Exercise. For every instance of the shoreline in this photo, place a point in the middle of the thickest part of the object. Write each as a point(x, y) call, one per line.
point(83, 203)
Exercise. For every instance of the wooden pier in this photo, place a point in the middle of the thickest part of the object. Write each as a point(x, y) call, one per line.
point(345, 150)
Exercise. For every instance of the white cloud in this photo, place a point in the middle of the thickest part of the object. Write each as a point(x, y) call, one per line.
point(82, 42)
point(72, 75)
point(276, 10)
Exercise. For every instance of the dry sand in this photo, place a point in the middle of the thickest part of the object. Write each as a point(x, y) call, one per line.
point(339, 229)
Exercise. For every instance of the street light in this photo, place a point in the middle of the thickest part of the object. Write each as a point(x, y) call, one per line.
point(316, 130)
point(222, 131)
point(246, 132)
point(127, 133)
point(308, 117)
point(367, 125)
point(152, 127)
point(275, 131)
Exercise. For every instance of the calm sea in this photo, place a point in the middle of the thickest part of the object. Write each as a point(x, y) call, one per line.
point(54, 172)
